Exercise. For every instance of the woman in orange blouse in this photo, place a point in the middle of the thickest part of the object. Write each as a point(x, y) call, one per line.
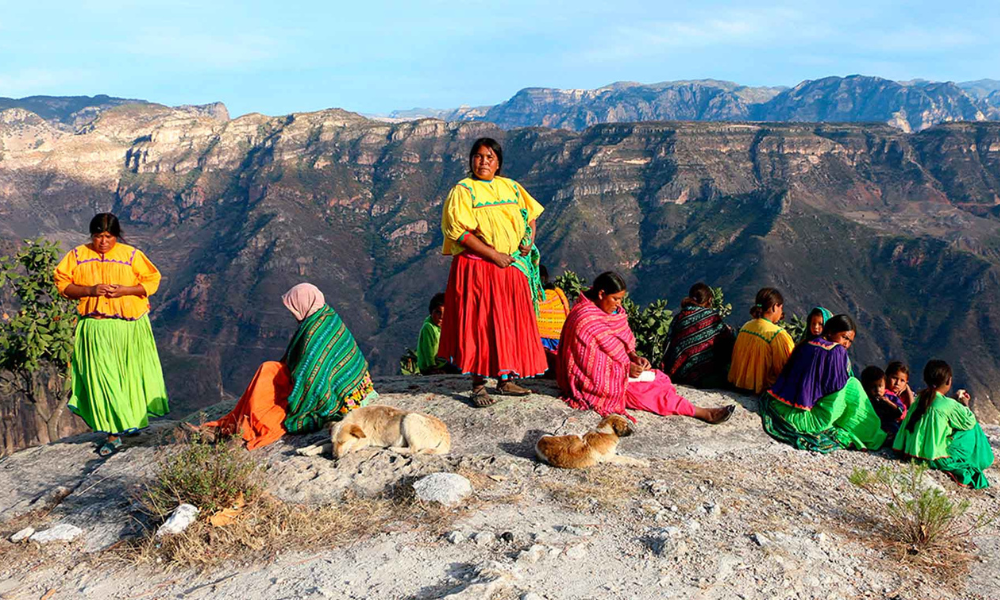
point(117, 379)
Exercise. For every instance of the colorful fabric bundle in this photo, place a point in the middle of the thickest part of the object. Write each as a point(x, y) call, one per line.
point(552, 313)
point(700, 345)
point(329, 373)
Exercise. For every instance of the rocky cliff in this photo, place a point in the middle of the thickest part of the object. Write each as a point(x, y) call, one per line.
point(909, 106)
point(898, 229)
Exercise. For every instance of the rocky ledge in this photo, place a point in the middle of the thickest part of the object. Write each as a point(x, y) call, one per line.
point(721, 512)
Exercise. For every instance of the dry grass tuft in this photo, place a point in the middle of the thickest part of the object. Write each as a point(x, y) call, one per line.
point(602, 488)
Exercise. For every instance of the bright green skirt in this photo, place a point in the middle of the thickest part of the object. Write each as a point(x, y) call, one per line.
point(839, 420)
point(969, 453)
point(117, 379)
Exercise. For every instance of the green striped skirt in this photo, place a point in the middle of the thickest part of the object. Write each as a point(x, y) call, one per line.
point(117, 379)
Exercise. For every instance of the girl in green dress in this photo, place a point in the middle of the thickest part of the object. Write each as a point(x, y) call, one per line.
point(944, 432)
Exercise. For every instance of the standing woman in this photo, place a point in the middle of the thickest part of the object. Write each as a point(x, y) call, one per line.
point(489, 327)
point(117, 379)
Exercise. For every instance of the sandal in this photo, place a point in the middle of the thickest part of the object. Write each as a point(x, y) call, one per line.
point(729, 413)
point(109, 447)
point(509, 388)
point(481, 398)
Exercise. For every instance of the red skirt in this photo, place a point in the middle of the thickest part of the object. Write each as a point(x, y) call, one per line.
point(489, 324)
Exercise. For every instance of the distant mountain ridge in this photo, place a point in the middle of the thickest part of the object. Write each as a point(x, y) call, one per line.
point(909, 106)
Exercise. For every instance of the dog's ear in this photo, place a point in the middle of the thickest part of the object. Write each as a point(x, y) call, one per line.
point(356, 431)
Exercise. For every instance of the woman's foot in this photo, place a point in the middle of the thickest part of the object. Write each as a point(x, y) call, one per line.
point(481, 398)
point(112, 445)
point(714, 416)
point(507, 387)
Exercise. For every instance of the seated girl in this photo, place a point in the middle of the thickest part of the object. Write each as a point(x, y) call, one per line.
point(814, 323)
point(322, 376)
point(816, 404)
point(889, 408)
point(598, 366)
point(700, 342)
point(944, 432)
point(897, 382)
point(762, 347)
point(428, 361)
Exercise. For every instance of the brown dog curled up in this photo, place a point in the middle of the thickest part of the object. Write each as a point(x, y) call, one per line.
point(379, 426)
point(599, 445)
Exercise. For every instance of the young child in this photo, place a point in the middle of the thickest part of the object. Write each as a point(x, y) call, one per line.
point(897, 382)
point(814, 323)
point(944, 432)
point(889, 408)
point(430, 336)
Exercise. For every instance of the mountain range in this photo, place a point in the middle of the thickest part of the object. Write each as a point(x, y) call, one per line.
point(909, 106)
point(898, 229)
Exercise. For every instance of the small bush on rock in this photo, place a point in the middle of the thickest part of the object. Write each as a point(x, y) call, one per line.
point(920, 518)
point(209, 476)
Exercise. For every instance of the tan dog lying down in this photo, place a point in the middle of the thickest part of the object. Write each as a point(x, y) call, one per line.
point(385, 427)
point(597, 446)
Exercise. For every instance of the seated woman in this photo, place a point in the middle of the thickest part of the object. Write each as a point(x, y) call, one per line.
point(552, 313)
point(322, 377)
point(817, 404)
point(944, 432)
point(762, 347)
point(599, 369)
point(701, 343)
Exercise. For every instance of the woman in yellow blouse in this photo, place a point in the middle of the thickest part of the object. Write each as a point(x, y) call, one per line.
point(762, 347)
point(489, 327)
point(117, 379)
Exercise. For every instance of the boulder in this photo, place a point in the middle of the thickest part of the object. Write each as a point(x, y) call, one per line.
point(179, 520)
point(447, 488)
point(64, 532)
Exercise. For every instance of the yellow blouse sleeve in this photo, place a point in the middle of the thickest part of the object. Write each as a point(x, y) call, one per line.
point(64, 271)
point(781, 349)
point(534, 208)
point(458, 218)
point(147, 273)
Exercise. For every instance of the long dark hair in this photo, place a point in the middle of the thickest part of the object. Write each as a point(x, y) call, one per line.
point(936, 374)
point(699, 295)
point(608, 282)
point(766, 299)
point(838, 324)
point(896, 367)
point(493, 145)
point(106, 223)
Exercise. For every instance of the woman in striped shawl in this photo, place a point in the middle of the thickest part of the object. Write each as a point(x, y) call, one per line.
point(322, 377)
point(701, 343)
point(600, 370)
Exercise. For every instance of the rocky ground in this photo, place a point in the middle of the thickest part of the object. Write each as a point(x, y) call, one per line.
point(721, 512)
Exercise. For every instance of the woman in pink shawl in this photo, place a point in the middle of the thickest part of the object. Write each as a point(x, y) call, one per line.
point(598, 366)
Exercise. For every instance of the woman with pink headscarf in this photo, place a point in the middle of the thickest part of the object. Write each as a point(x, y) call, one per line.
point(322, 377)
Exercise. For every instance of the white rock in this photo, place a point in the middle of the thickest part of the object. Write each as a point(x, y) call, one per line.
point(576, 552)
point(530, 596)
point(64, 532)
point(693, 525)
point(484, 538)
point(760, 538)
point(22, 535)
point(574, 530)
point(532, 554)
point(457, 537)
point(179, 520)
point(447, 488)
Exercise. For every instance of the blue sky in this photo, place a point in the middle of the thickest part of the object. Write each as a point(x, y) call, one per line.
point(373, 56)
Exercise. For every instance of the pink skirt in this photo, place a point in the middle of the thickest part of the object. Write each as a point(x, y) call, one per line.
point(658, 397)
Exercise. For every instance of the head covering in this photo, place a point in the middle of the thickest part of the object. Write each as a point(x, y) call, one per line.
point(807, 335)
point(303, 300)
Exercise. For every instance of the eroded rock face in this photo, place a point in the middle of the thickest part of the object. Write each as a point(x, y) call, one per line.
point(235, 212)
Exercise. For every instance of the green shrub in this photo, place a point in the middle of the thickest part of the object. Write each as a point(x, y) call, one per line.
point(922, 518)
point(795, 326)
point(209, 476)
point(571, 284)
point(651, 327)
point(719, 303)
